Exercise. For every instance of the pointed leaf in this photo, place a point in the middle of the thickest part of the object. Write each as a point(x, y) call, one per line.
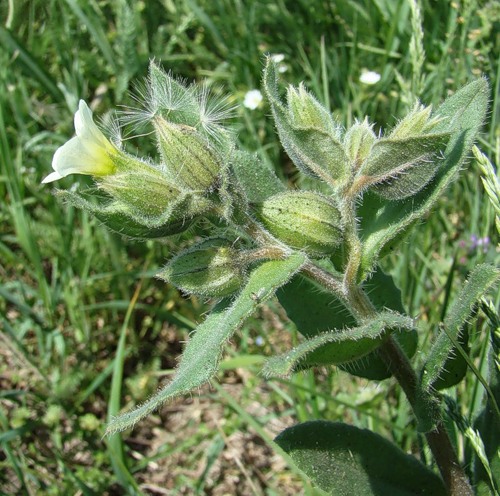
point(480, 280)
point(350, 344)
point(383, 223)
point(345, 460)
point(314, 311)
point(200, 360)
point(258, 181)
point(401, 167)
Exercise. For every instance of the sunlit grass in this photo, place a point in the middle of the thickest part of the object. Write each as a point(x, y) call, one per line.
point(86, 330)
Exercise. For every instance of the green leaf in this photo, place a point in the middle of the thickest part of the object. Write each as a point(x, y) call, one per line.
point(455, 367)
point(399, 168)
point(384, 294)
point(315, 311)
point(345, 460)
point(383, 223)
point(258, 181)
point(314, 151)
point(201, 357)
point(487, 467)
point(349, 344)
point(479, 282)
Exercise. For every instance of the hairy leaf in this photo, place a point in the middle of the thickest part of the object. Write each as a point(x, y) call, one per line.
point(315, 311)
point(479, 282)
point(383, 222)
point(401, 167)
point(345, 460)
point(201, 357)
point(349, 344)
point(258, 181)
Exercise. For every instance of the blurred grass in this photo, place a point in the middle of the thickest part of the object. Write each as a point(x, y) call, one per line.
point(66, 283)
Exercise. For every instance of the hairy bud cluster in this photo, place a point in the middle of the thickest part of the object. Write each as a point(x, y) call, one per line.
point(201, 175)
point(395, 167)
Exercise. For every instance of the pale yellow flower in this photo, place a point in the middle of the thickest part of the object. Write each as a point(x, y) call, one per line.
point(89, 152)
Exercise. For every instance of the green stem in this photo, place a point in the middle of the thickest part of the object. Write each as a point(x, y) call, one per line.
point(352, 294)
point(398, 363)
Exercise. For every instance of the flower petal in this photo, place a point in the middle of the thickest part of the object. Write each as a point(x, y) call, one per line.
point(53, 176)
point(85, 127)
point(78, 156)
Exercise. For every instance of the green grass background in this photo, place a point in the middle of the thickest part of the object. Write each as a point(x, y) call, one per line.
point(85, 330)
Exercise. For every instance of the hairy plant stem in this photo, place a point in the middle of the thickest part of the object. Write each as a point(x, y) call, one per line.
point(391, 353)
point(398, 363)
point(352, 294)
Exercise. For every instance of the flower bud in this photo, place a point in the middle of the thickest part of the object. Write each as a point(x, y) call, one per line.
point(303, 220)
point(307, 132)
point(306, 112)
point(418, 121)
point(209, 268)
point(358, 142)
point(187, 155)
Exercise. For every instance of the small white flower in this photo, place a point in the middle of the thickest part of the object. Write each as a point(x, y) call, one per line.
point(252, 100)
point(89, 152)
point(369, 77)
point(278, 59)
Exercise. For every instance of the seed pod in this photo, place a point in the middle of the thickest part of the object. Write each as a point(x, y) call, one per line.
point(187, 155)
point(304, 220)
point(209, 268)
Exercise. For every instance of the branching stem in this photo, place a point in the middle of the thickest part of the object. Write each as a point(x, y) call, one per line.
point(398, 363)
point(347, 289)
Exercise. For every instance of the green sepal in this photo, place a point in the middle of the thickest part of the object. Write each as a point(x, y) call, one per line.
point(118, 219)
point(171, 99)
point(189, 159)
point(315, 151)
point(349, 344)
point(399, 168)
point(381, 221)
point(210, 268)
point(344, 460)
point(200, 359)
